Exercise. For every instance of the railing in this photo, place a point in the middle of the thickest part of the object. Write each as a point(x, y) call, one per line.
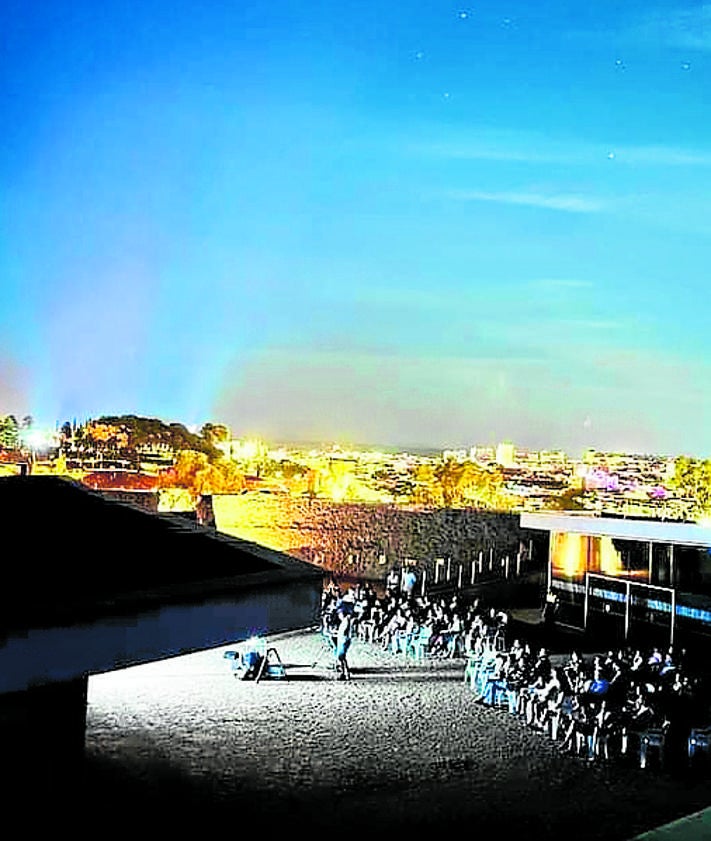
point(488, 566)
point(623, 597)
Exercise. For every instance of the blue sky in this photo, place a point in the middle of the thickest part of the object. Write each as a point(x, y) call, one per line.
point(413, 224)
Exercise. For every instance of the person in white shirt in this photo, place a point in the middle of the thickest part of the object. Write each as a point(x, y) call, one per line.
point(343, 643)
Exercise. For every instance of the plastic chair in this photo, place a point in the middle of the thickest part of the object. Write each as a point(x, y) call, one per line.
point(399, 642)
point(505, 697)
point(419, 644)
point(471, 669)
point(699, 742)
point(655, 739)
point(485, 670)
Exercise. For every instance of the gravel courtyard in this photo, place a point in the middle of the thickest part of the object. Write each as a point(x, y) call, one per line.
point(400, 748)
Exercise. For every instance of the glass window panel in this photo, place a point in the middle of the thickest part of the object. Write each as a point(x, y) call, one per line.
point(660, 564)
point(693, 569)
point(568, 555)
point(634, 559)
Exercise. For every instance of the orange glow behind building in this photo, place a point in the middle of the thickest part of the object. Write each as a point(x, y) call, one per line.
point(572, 555)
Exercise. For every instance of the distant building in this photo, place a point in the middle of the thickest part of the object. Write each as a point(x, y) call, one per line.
point(456, 455)
point(552, 457)
point(483, 455)
point(506, 454)
point(600, 480)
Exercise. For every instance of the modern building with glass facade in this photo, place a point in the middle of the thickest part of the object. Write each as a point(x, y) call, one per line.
point(636, 579)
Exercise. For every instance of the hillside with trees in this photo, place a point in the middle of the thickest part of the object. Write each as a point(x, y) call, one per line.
point(692, 480)
point(457, 484)
point(194, 472)
point(133, 432)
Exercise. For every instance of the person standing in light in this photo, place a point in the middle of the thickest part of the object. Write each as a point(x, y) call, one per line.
point(343, 643)
point(408, 583)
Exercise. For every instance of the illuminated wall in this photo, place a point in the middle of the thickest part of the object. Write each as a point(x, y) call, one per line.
point(365, 539)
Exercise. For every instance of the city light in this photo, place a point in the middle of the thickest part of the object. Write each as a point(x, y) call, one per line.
point(38, 440)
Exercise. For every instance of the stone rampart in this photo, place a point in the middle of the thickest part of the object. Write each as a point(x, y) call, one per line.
point(366, 540)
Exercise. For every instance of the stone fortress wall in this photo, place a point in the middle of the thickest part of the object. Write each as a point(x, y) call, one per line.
point(366, 540)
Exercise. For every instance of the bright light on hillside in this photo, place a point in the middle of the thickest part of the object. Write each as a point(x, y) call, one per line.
point(38, 440)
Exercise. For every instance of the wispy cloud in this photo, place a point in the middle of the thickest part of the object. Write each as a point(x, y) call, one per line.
point(503, 146)
point(685, 28)
point(483, 151)
point(661, 156)
point(515, 147)
point(568, 203)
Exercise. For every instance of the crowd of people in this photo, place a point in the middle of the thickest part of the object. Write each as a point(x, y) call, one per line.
point(601, 706)
point(403, 622)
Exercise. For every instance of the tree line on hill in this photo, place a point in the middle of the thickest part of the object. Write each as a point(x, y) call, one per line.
point(126, 434)
point(692, 479)
point(198, 464)
point(11, 431)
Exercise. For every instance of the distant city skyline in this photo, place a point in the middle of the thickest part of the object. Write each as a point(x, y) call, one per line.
point(40, 436)
point(419, 225)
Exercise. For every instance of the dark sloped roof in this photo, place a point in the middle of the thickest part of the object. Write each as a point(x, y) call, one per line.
point(72, 554)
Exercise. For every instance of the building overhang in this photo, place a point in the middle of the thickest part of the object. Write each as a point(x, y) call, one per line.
point(650, 531)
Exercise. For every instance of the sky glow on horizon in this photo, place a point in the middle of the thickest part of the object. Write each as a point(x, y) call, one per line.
point(409, 225)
